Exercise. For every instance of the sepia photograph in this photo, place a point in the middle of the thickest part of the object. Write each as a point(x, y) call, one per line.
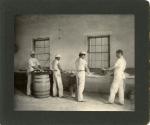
point(77, 62)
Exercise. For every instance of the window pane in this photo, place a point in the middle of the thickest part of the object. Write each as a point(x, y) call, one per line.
point(92, 41)
point(89, 56)
point(92, 64)
point(104, 41)
point(92, 48)
point(46, 43)
point(44, 63)
point(89, 60)
point(43, 57)
point(39, 50)
point(47, 50)
point(104, 48)
point(98, 56)
point(105, 56)
point(98, 64)
point(98, 41)
point(39, 44)
point(98, 49)
point(92, 56)
point(105, 64)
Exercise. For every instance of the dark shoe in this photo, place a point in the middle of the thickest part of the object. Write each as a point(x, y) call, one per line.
point(82, 101)
point(62, 97)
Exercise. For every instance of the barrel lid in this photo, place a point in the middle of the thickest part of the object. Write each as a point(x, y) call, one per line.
point(41, 73)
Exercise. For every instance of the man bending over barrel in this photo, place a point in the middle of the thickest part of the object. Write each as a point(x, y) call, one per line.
point(33, 64)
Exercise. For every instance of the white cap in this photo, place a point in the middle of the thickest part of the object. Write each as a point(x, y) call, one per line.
point(32, 53)
point(57, 55)
point(83, 52)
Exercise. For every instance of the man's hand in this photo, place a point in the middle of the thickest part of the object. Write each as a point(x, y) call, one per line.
point(39, 66)
point(88, 72)
point(105, 69)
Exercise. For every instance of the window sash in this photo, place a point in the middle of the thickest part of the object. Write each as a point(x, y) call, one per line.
point(42, 51)
point(98, 52)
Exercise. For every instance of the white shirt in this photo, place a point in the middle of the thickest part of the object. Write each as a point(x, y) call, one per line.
point(120, 66)
point(32, 62)
point(80, 64)
point(55, 64)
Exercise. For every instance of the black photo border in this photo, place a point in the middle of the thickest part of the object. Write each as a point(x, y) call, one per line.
point(8, 12)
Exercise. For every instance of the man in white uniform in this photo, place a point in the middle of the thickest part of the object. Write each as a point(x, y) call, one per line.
point(57, 80)
point(118, 81)
point(81, 68)
point(33, 64)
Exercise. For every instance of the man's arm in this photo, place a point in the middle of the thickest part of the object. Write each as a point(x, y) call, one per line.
point(59, 66)
point(37, 67)
point(30, 63)
point(112, 67)
point(87, 68)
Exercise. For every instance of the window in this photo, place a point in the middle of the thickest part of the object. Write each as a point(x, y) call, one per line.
point(41, 46)
point(98, 52)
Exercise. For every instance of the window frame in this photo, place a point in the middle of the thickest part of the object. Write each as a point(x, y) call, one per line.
point(34, 47)
point(98, 36)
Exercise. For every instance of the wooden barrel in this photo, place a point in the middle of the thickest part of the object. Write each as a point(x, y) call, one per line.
point(41, 85)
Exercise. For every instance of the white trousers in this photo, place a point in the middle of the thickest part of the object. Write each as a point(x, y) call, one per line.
point(117, 86)
point(80, 77)
point(57, 84)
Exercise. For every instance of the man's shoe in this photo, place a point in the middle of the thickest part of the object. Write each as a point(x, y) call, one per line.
point(82, 101)
point(73, 96)
point(109, 102)
point(62, 97)
point(120, 103)
point(28, 94)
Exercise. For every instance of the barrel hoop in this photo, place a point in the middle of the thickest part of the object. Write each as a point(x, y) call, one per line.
point(42, 81)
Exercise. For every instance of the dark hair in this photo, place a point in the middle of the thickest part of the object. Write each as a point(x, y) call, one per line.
point(81, 54)
point(57, 57)
point(119, 51)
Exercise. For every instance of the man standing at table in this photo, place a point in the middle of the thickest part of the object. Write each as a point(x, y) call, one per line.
point(119, 76)
point(33, 64)
point(57, 80)
point(81, 68)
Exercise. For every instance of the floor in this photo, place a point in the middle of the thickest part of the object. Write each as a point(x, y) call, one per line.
point(94, 102)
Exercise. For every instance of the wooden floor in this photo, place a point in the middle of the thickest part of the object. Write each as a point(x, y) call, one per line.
point(94, 102)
